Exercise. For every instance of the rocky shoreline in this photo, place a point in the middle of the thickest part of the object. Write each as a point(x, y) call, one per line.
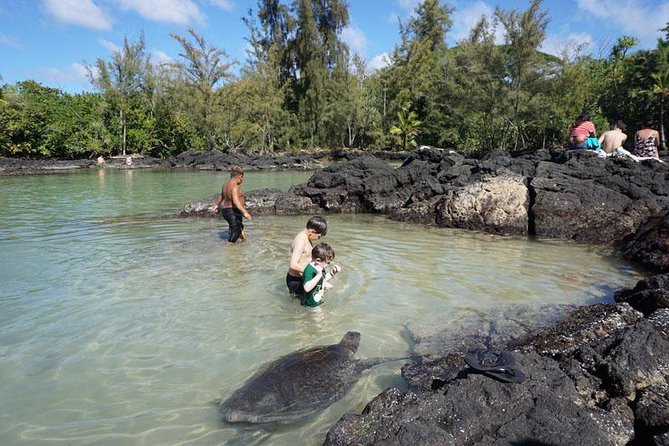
point(214, 160)
point(597, 376)
point(558, 195)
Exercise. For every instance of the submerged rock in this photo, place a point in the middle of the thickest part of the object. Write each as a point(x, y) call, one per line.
point(649, 245)
point(562, 195)
point(599, 375)
point(298, 385)
point(648, 295)
point(477, 410)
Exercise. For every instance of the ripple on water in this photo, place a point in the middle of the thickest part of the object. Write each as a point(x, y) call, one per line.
point(120, 327)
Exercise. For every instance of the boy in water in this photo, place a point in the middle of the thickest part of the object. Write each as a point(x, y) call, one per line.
point(233, 208)
point(314, 277)
point(300, 249)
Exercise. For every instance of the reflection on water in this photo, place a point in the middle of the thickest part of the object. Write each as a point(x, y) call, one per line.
point(119, 324)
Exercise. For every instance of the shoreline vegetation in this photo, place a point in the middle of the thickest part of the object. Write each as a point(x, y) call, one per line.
point(213, 160)
point(301, 86)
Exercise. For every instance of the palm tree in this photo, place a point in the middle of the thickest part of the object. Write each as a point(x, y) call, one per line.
point(407, 127)
point(661, 87)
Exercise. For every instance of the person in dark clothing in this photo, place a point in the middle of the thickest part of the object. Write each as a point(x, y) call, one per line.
point(231, 203)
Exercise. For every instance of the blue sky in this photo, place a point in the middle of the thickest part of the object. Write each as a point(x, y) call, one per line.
point(52, 41)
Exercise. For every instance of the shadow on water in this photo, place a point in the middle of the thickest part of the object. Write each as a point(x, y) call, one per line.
point(99, 294)
point(529, 442)
point(255, 434)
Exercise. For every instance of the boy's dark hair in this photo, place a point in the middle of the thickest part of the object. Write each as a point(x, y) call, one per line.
point(323, 251)
point(236, 171)
point(618, 123)
point(318, 224)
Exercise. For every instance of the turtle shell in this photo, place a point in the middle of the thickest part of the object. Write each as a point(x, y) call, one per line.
point(296, 385)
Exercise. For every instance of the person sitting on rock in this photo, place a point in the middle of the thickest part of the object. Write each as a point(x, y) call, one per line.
point(613, 139)
point(646, 142)
point(582, 129)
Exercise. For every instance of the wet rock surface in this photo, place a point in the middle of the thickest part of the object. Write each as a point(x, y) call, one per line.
point(649, 244)
point(598, 377)
point(648, 295)
point(16, 167)
point(595, 375)
point(561, 195)
point(214, 160)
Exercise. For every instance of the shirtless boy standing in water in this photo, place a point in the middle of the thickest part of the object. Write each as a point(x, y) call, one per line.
point(300, 248)
point(233, 208)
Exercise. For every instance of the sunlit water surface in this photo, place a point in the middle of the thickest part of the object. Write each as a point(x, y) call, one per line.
point(120, 324)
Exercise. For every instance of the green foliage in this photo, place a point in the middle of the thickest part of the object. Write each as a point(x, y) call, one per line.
point(406, 129)
point(416, 73)
point(301, 88)
point(204, 68)
point(124, 84)
point(41, 121)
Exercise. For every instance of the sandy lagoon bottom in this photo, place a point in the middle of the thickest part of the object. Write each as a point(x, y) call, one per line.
point(126, 329)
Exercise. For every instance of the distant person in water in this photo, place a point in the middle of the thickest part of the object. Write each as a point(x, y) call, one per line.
point(231, 202)
point(582, 129)
point(314, 277)
point(300, 249)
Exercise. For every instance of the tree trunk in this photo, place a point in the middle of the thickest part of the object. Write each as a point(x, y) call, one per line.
point(123, 133)
point(663, 140)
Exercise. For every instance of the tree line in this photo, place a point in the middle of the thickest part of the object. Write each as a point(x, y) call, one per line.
point(301, 88)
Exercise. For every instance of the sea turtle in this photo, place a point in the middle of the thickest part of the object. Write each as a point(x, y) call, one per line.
point(299, 384)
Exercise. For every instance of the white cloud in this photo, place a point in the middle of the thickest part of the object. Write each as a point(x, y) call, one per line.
point(75, 74)
point(393, 18)
point(409, 5)
point(574, 44)
point(466, 18)
point(180, 12)
point(79, 70)
point(591, 6)
point(355, 38)
point(9, 41)
point(642, 20)
point(379, 61)
point(78, 12)
point(110, 46)
point(160, 57)
point(226, 5)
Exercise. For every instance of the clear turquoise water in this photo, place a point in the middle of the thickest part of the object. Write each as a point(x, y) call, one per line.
point(121, 324)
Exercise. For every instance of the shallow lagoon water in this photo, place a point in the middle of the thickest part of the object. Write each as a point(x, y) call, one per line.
point(121, 324)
